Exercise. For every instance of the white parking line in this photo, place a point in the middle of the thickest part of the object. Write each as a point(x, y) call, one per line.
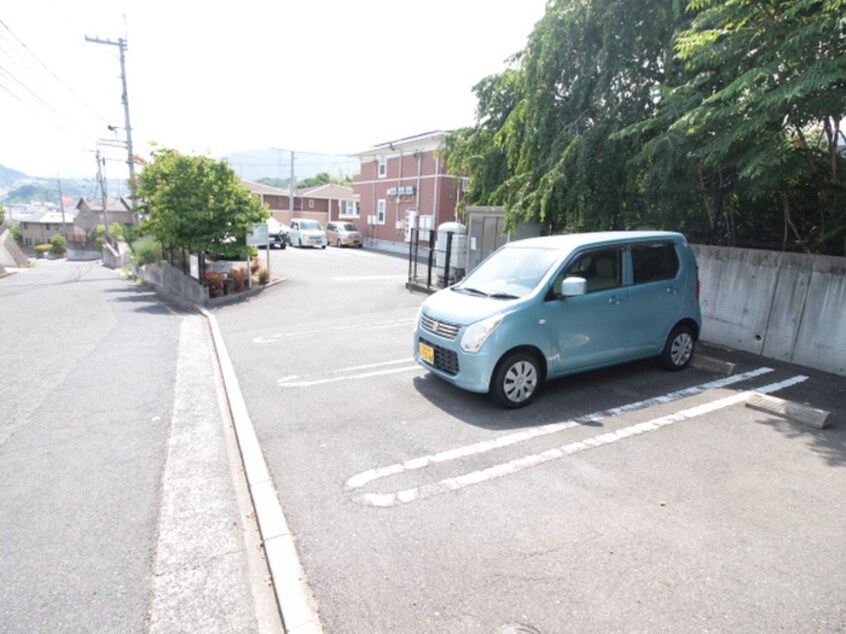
point(350, 373)
point(373, 325)
point(361, 479)
point(368, 278)
point(514, 466)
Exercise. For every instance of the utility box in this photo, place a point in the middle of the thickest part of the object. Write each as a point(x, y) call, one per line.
point(451, 252)
point(486, 233)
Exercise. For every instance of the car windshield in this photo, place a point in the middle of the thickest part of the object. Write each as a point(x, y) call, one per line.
point(310, 225)
point(348, 226)
point(509, 273)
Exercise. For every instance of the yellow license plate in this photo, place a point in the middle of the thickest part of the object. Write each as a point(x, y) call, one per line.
point(427, 353)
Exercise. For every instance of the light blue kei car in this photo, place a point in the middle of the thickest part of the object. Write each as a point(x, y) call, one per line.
point(543, 308)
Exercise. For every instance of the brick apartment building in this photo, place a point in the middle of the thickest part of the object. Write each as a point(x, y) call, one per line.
point(403, 185)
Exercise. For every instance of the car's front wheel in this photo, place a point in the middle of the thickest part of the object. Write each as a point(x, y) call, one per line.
point(516, 379)
point(678, 350)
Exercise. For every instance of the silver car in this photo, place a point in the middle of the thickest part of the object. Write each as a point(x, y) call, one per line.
point(343, 234)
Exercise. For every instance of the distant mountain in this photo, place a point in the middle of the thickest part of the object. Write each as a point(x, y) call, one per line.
point(16, 187)
point(252, 165)
point(9, 176)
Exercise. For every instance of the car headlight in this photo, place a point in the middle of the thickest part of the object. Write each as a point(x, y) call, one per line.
point(477, 334)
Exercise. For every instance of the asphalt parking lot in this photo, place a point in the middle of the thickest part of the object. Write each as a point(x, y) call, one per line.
point(627, 499)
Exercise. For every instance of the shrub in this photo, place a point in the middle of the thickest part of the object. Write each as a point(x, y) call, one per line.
point(263, 275)
point(255, 264)
point(58, 245)
point(237, 280)
point(147, 250)
point(214, 281)
point(42, 249)
point(116, 230)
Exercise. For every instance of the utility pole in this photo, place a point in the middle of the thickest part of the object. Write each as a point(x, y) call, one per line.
point(291, 188)
point(101, 163)
point(130, 158)
point(62, 207)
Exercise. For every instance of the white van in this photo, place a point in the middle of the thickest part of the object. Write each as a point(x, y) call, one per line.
point(306, 233)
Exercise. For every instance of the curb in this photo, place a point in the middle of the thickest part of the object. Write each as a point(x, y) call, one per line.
point(293, 594)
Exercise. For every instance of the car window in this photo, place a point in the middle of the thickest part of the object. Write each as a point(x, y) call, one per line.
point(509, 272)
point(654, 262)
point(348, 226)
point(310, 225)
point(603, 269)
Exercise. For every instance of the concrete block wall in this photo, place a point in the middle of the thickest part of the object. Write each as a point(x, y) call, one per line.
point(785, 306)
point(173, 281)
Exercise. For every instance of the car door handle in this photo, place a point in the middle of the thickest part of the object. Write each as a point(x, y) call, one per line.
point(672, 290)
point(614, 300)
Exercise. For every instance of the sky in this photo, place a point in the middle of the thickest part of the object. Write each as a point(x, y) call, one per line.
point(320, 76)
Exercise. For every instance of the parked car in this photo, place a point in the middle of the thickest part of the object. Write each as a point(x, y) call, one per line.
point(306, 233)
point(547, 307)
point(343, 234)
point(277, 233)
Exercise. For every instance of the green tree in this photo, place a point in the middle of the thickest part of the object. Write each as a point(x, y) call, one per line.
point(543, 144)
point(324, 178)
point(721, 118)
point(764, 98)
point(2, 214)
point(197, 203)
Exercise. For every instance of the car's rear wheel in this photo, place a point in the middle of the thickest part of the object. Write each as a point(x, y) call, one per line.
point(516, 379)
point(338, 243)
point(678, 350)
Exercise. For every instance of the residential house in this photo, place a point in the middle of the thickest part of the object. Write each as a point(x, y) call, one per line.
point(404, 185)
point(326, 203)
point(323, 203)
point(41, 227)
point(91, 213)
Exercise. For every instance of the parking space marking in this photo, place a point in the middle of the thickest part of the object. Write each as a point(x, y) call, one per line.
point(413, 494)
point(351, 373)
point(373, 325)
point(368, 278)
point(361, 479)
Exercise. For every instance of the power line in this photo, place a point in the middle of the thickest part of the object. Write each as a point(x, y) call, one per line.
point(52, 74)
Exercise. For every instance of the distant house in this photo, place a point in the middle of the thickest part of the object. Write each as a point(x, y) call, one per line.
point(403, 185)
point(91, 213)
point(326, 203)
point(41, 227)
point(323, 203)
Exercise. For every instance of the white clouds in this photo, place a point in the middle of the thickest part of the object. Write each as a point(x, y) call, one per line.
point(320, 75)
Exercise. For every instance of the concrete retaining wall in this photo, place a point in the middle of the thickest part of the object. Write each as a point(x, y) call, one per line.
point(173, 281)
point(783, 306)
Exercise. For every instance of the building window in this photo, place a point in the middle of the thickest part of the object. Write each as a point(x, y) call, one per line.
point(383, 166)
point(311, 203)
point(381, 212)
point(349, 209)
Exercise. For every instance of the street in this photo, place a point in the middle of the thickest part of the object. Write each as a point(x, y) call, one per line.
point(628, 499)
point(117, 505)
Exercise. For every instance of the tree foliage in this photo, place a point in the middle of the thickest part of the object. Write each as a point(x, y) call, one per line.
point(199, 204)
point(714, 116)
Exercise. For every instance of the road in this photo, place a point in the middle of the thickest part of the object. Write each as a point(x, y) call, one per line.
point(628, 499)
point(118, 507)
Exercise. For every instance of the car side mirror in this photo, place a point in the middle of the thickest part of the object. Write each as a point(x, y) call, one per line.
point(573, 286)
